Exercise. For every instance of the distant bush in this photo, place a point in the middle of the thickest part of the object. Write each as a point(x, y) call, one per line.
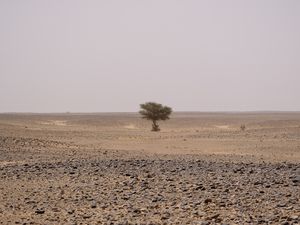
point(243, 127)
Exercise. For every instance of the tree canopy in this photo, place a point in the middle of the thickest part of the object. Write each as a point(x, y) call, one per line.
point(154, 111)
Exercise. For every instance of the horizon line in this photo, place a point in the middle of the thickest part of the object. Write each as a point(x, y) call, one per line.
point(177, 111)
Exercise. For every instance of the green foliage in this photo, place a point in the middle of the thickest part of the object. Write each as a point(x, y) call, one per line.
point(155, 112)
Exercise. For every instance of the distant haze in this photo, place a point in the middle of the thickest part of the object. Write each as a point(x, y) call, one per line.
point(103, 56)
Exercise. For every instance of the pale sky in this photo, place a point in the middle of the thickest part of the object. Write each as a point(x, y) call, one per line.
point(106, 56)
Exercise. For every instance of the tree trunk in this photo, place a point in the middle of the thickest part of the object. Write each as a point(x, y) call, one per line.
point(155, 126)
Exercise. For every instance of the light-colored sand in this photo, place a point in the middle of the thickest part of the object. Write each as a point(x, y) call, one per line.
point(271, 136)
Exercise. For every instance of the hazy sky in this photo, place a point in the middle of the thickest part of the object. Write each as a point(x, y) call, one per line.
point(93, 56)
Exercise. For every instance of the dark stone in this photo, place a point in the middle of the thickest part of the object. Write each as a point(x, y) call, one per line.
point(208, 200)
point(39, 211)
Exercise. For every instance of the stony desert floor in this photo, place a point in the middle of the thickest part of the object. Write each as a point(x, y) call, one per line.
point(110, 168)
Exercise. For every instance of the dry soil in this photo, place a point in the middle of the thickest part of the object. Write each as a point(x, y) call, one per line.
point(111, 169)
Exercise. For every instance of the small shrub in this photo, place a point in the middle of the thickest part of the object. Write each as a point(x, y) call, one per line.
point(243, 127)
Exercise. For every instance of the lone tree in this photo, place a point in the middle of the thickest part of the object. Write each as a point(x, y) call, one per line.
point(155, 112)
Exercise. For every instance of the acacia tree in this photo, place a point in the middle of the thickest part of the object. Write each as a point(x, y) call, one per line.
point(155, 112)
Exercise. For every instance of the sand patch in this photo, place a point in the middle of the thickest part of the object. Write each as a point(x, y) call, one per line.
point(223, 127)
point(130, 126)
point(8, 163)
point(55, 123)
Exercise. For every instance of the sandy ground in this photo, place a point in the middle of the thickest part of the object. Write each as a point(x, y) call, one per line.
point(111, 169)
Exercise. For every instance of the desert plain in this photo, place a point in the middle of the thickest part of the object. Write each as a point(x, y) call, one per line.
point(109, 168)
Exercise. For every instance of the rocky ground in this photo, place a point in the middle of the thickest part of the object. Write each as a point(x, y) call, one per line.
point(176, 190)
point(50, 174)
